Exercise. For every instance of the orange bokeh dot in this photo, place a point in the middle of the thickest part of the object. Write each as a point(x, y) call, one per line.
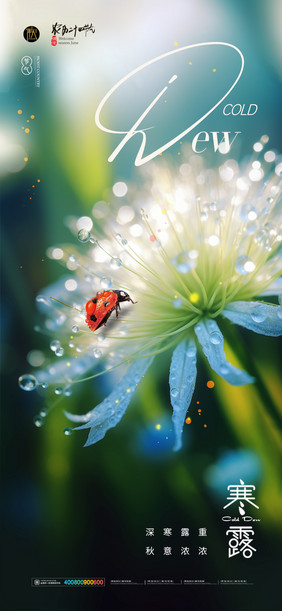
point(20, 112)
point(27, 130)
point(32, 116)
point(197, 402)
point(210, 384)
point(33, 186)
point(188, 420)
point(25, 158)
point(38, 179)
point(205, 426)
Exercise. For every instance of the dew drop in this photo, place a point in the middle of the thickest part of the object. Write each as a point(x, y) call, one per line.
point(115, 263)
point(27, 382)
point(183, 262)
point(59, 351)
point(75, 328)
point(97, 353)
point(93, 240)
point(177, 303)
point(174, 392)
point(58, 390)
point(215, 338)
point(106, 282)
point(244, 265)
point(44, 385)
point(259, 313)
point(79, 348)
point(71, 344)
point(67, 391)
point(223, 369)
point(101, 337)
point(67, 432)
point(191, 351)
point(124, 241)
point(72, 259)
point(38, 421)
point(83, 235)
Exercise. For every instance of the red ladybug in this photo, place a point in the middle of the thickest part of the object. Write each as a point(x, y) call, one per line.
point(100, 307)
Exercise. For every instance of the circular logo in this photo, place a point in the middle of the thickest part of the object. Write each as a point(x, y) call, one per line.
point(31, 33)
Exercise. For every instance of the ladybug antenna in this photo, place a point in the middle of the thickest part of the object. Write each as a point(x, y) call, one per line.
point(65, 304)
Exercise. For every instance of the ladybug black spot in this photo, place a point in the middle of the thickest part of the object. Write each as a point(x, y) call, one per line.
point(93, 317)
point(106, 303)
point(94, 300)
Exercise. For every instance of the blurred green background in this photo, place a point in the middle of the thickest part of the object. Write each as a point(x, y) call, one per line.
point(77, 512)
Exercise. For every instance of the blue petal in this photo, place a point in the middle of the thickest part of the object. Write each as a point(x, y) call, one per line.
point(211, 340)
point(275, 288)
point(259, 317)
point(182, 378)
point(63, 368)
point(108, 413)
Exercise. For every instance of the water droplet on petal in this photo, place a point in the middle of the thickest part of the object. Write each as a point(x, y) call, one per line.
point(191, 351)
point(259, 313)
point(97, 353)
point(67, 432)
point(75, 328)
point(174, 392)
point(83, 235)
point(223, 370)
point(27, 382)
point(44, 385)
point(67, 391)
point(58, 390)
point(215, 338)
